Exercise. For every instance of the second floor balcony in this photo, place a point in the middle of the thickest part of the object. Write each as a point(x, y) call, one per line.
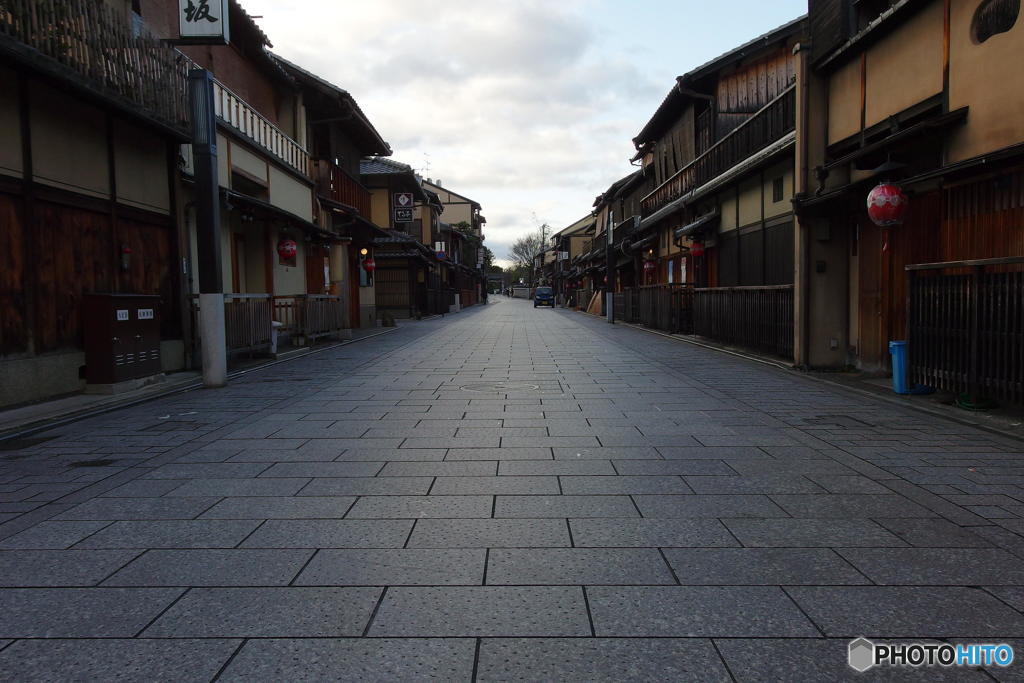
point(240, 116)
point(93, 46)
point(334, 183)
point(773, 122)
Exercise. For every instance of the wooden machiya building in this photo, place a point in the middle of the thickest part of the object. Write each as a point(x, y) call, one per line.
point(927, 96)
point(409, 280)
point(92, 114)
point(714, 237)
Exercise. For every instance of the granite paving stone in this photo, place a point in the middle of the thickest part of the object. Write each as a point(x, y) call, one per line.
point(197, 488)
point(191, 533)
point(812, 533)
point(650, 533)
point(489, 533)
point(139, 508)
point(582, 485)
point(708, 505)
point(846, 506)
point(937, 566)
point(280, 507)
point(556, 467)
point(285, 612)
point(672, 467)
point(696, 612)
point(221, 470)
point(31, 568)
point(212, 567)
point(761, 567)
point(91, 659)
point(577, 566)
point(455, 454)
point(415, 507)
point(51, 535)
point(80, 612)
point(384, 659)
point(767, 484)
point(394, 567)
point(439, 469)
point(506, 611)
point(564, 506)
point(907, 612)
point(308, 470)
point(599, 659)
point(495, 485)
point(367, 486)
point(330, 533)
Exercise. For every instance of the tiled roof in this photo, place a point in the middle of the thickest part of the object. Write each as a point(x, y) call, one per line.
point(382, 166)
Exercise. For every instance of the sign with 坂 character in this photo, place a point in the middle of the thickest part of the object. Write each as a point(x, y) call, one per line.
point(203, 22)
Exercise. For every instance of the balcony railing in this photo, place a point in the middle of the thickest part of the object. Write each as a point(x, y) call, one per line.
point(335, 183)
point(94, 45)
point(239, 114)
point(759, 318)
point(773, 122)
point(966, 327)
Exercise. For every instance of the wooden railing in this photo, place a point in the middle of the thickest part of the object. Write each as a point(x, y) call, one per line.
point(309, 316)
point(94, 44)
point(335, 183)
point(239, 114)
point(771, 123)
point(662, 307)
point(249, 318)
point(757, 318)
point(966, 327)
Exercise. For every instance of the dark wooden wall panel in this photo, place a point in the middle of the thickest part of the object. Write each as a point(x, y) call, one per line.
point(13, 332)
point(149, 268)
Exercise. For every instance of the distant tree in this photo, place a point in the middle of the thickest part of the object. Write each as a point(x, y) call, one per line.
point(525, 249)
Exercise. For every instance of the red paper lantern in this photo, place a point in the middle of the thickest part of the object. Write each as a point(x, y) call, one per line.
point(887, 205)
point(697, 249)
point(369, 265)
point(287, 249)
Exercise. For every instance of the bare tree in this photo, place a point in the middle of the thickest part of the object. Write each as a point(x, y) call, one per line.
point(525, 249)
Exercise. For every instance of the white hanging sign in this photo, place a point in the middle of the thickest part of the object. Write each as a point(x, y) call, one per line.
point(203, 21)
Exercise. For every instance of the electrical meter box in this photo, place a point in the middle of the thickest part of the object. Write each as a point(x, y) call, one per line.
point(122, 337)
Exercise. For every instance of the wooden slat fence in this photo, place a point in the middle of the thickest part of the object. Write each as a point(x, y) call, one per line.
point(757, 318)
point(966, 327)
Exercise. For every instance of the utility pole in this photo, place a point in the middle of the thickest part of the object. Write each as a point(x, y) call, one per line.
point(211, 285)
point(609, 287)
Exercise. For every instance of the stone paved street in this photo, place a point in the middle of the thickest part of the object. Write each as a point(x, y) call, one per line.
point(505, 493)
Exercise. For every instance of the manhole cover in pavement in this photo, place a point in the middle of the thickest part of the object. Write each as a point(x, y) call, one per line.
point(500, 387)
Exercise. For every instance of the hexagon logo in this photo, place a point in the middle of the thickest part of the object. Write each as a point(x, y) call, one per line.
point(862, 654)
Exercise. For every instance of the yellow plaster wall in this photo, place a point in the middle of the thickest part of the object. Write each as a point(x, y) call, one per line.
point(988, 78)
point(380, 207)
point(844, 102)
point(783, 206)
point(140, 166)
point(69, 143)
point(10, 125)
point(727, 208)
point(905, 67)
point(245, 160)
point(291, 195)
point(750, 201)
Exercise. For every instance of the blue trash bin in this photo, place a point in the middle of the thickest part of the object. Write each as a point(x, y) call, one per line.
point(898, 351)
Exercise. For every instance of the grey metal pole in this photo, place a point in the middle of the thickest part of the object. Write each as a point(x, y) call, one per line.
point(609, 287)
point(207, 193)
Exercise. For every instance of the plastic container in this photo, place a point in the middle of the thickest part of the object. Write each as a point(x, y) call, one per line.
point(898, 351)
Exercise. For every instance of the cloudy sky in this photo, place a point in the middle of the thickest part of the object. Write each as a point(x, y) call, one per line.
point(526, 106)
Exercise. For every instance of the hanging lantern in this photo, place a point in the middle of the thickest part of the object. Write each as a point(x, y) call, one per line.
point(287, 249)
point(887, 205)
point(368, 264)
point(697, 249)
point(650, 266)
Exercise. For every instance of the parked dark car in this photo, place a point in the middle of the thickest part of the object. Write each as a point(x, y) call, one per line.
point(544, 296)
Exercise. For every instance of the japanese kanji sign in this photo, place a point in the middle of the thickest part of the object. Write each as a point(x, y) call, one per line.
point(403, 200)
point(203, 21)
